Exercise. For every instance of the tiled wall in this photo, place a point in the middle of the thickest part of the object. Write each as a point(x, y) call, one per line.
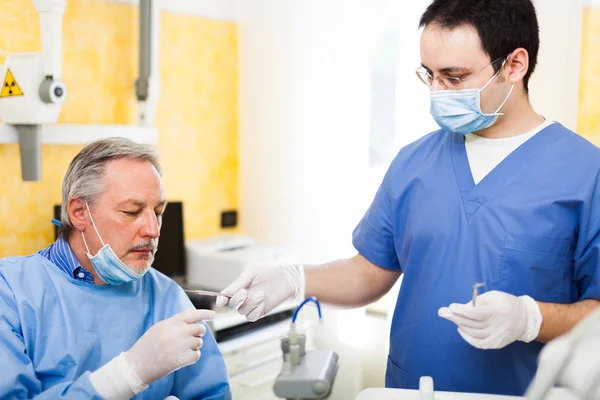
point(196, 116)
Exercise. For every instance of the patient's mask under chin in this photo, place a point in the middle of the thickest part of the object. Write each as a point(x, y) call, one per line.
point(110, 268)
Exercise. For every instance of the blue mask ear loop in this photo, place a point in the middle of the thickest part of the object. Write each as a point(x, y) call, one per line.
point(94, 225)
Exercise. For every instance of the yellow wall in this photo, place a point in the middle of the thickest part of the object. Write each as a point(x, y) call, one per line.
point(196, 116)
point(588, 124)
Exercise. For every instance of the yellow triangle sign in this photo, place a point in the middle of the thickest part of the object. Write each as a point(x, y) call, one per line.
point(10, 87)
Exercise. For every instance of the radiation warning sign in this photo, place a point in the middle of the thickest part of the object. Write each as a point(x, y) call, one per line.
point(10, 87)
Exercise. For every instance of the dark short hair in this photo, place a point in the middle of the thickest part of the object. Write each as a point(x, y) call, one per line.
point(503, 25)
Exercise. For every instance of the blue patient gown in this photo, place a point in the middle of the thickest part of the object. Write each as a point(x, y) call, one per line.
point(530, 227)
point(56, 330)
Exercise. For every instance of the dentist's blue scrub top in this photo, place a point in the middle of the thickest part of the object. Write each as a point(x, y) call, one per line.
point(530, 227)
point(56, 329)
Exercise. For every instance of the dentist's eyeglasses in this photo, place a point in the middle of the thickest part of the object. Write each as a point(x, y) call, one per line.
point(452, 82)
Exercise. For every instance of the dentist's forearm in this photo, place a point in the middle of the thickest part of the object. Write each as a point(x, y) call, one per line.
point(558, 319)
point(353, 282)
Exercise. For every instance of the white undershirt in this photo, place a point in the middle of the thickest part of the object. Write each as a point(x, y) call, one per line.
point(485, 154)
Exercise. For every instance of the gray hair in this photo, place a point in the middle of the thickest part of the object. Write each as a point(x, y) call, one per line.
point(84, 175)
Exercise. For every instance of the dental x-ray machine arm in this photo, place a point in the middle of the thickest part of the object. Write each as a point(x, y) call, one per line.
point(32, 88)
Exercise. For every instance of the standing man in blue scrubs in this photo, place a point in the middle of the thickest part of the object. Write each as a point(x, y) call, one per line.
point(497, 195)
point(87, 317)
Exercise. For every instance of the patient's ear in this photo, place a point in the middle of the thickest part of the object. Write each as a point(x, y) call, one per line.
point(77, 213)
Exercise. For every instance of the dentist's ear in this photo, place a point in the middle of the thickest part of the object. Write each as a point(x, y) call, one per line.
point(77, 211)
point(518, 65)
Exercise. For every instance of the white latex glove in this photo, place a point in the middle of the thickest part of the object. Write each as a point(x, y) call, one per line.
point(259, 289)
point(166, 347)
point(169, 345)
point(497, 320)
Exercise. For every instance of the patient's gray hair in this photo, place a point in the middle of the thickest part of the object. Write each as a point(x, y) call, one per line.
point(84, 176)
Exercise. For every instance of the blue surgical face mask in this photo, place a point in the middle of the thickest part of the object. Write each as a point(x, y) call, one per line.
point(459, 111)
point(110, 268)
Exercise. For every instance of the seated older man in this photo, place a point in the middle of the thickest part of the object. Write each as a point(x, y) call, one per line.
point(87, 317)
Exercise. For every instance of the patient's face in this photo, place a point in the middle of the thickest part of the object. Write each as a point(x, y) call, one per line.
point(128, 214)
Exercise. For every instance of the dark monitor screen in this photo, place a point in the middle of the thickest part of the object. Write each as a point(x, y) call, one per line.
point(170, 257)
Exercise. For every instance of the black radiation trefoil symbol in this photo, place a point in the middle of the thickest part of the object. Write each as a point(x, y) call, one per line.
point(12, 85)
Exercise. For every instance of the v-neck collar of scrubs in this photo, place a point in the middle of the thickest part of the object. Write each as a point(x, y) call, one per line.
point(474, 196)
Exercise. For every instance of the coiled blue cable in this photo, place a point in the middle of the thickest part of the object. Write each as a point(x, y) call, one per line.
point(313, 299)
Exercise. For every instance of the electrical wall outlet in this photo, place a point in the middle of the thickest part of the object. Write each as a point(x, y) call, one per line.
point(229, 219)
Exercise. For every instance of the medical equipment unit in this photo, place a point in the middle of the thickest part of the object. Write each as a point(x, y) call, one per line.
point(32, 89)
point(305, 374)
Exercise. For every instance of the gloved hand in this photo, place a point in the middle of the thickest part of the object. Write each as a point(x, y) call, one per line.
point(169, 345)
point(497, 320)
point(259, 289)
